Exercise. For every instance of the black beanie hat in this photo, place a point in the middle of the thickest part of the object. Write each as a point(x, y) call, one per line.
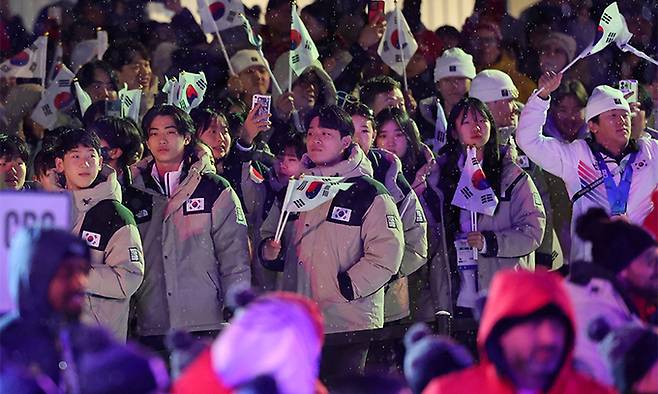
point(631, 351)
point(615, 243)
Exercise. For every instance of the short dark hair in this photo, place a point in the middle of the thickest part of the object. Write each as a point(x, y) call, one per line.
point(294, 141)
point(332, 117)
point(75, 137)
point(119, 133)
point(374, 86)
point(359, 109)
point(123, 52)
point(183, 121)
point(44, 161)
point(12, 147)
point(571, 87)
point(85, 75)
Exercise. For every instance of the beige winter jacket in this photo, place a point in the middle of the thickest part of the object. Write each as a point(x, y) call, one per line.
point(388, 170)
point(196, 248)
point(368, 246)
point(512, 235)
point(117, 257)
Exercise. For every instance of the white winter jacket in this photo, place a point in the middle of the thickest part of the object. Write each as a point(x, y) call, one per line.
point(576, 165)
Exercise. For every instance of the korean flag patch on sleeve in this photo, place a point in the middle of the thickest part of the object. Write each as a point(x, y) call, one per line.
point(92, 239)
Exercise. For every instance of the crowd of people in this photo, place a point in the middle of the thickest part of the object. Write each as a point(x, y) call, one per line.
point(186, 270)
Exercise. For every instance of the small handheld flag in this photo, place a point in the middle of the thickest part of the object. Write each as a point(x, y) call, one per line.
point(474, 193)
point(56, 98)
point(398, 44)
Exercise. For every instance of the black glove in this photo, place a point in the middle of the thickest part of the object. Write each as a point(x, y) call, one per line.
point(345, 286)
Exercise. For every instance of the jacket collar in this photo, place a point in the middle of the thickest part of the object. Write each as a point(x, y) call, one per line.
point(631, 147)
point(106, 187)
point(355, 164)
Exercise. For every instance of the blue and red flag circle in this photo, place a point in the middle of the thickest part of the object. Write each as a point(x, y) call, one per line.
point(313, 189)
point(217, 10)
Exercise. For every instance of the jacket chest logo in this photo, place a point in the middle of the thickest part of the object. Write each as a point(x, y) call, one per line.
point(195, 205)
point(92, 239)
point(341, 214)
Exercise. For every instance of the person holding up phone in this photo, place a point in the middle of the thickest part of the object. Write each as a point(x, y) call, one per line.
point(610, 169)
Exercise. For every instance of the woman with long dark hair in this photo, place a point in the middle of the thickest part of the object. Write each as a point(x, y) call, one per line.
point(506, 239)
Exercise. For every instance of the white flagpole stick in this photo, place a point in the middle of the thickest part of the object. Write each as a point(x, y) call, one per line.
point(277, 237)
point(293, 10)
point(474, 227)
point(286, 199)
point(269, 71)
point(398, 14)
point(221, 43)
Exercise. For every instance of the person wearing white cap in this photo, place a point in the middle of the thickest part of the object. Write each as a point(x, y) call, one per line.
point(252, 75)
point(609, 170)
point(497, 90)
point(453, 73)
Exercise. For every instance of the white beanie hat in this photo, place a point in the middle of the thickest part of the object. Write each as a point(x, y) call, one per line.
point(454, 63)
point(493, 85)
point(246, 58)
point(605, 98)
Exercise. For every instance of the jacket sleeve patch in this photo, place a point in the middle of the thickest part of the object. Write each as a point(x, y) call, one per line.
point(341, 214)
point(391, 222)
point(420, 216)
point(134, 255)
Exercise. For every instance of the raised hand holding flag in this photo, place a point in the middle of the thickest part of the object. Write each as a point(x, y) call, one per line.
point(398, 44)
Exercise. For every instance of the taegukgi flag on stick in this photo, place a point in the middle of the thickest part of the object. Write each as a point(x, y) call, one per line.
point(398, 44)
point(130, 102)
point(309, 192)
point(306, 193)
point(474, 193)
point(28, 63)
point(218, 15)
point(302, 49)
point(187, 91)
point(56, 98)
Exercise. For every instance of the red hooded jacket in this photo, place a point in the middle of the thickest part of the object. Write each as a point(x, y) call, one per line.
point(517, 294)
point(651, 222)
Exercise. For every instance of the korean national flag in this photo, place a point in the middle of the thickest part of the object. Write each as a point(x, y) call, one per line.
point(218, 15)
point(29, 63)
point(303, 51)
point(309, 192)
point(398, 44)
point(56, 98)
point(473, 191)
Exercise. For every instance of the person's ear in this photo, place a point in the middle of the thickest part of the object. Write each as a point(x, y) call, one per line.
point(187, 139)
point(59, 165)
point(115, 153)
point(593, 127)
point(346, 141)
point(100, 163)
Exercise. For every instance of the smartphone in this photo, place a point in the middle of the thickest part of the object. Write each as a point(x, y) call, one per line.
point(629, 86)
point(375, 11)
point(264, 102)
point(113, 108)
